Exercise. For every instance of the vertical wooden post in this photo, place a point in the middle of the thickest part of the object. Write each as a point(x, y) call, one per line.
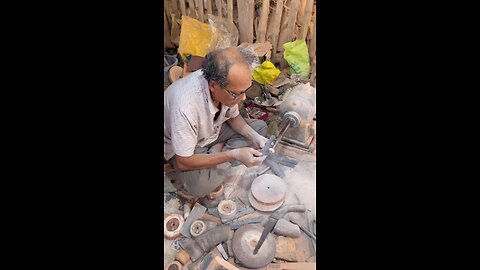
point(242, 21)
point(301, 10)
point(262, 25)
point(312, 40)
point(306, 19)
point(219, 8)
point(292, 19)
point(182, 7)
point(276, 23)
point(251, 12)
point(209, 8)
point(175, 8)
point(230, 11)
point(191, 9)
point(200, 10)
point(167, 10)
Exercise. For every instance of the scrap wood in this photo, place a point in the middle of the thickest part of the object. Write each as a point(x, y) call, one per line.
point(260, 49)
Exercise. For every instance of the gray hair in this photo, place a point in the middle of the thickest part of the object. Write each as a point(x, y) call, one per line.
point(216, 64)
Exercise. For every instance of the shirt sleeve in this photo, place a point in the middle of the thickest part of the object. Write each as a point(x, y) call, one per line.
point(234, 111)
point(184, 132)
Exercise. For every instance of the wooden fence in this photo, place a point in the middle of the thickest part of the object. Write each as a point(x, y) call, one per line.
point(276, 21)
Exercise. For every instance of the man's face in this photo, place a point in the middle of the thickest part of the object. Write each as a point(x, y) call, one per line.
point(239, 81)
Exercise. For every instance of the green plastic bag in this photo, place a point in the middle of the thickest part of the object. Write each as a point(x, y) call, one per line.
point(296, 55)
point(265, 73)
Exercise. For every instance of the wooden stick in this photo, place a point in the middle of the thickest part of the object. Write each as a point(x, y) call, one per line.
point(312, 40)
point(292, 18)
point(262, 25)
point(175, 7)
point(167, 42)
point(282, 36)
point(166, 10)
point(182, 7)
point(242, 21)
point(230, 11)
point(191, 9)
point(251, 13)
point(301, 10)
point(200, 10)
point(276, 23)
point(306, 19)
point(209, 7)
point(219, 8)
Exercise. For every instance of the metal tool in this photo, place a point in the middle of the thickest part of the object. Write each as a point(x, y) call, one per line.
point(222, 251)
point(272, 220)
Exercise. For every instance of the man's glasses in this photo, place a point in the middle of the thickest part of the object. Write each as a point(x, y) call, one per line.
point(235, 96)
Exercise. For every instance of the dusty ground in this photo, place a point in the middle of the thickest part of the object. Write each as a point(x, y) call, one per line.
point(301, 182)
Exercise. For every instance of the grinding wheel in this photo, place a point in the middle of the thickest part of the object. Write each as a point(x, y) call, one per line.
point(172, 226)
point(227, 208)
point(244, 242)
point(174, 266)
point(198, 227)
point(267, 192)
point(175, 73)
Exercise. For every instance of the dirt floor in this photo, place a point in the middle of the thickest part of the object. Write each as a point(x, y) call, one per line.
point(301, 188)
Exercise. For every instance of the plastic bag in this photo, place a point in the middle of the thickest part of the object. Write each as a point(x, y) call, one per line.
point(265, 73)
point(296, 54)
point(225, 33)
point(196, 38)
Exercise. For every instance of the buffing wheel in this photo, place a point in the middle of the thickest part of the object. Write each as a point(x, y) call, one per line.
point(172, 226)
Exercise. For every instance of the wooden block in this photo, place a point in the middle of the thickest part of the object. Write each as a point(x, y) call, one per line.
point(286, 249)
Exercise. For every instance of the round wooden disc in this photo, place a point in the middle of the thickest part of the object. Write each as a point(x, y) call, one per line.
point(175, 73)
point(269, 189)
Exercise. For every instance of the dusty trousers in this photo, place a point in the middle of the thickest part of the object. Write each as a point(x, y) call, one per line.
point(200, 183)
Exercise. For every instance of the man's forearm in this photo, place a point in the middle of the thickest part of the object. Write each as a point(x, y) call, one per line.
point(202, 161)
point(239, 125)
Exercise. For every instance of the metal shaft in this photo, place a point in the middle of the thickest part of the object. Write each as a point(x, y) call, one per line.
point(282, 132)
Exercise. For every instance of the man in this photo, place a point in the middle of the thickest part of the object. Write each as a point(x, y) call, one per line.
point(202, 125)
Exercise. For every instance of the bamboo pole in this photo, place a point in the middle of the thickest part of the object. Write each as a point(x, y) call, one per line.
point(200, 10)
point(182, 7)
point(276, 23)
point(209, 7)
point(262, 25)
point(219, 8)
point(306, 19)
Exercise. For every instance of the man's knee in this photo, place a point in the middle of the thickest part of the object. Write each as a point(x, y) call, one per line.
point(259, 126)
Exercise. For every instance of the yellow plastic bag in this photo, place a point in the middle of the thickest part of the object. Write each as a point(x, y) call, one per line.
point(196, 38)
point(296, 54)
point(265, 73)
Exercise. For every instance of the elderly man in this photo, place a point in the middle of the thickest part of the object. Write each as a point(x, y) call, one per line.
point(203, 129)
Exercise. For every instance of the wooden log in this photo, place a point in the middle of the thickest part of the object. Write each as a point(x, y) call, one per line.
point(191, 9)
point(200, 10)
point(219, 8)
point(306, 19)
point(276, 24)
point(209, 8)
point(182, 7)
point(262, 25)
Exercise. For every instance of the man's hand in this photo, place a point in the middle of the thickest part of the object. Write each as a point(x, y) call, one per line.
point(248, 156)
point(258, 141)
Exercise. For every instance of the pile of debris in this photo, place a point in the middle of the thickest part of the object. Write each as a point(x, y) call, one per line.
point(252, 230)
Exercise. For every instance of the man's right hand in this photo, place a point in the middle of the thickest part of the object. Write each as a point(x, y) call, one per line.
point(248, 156)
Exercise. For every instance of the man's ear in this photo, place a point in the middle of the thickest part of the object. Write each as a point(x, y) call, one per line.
point(213, 85)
